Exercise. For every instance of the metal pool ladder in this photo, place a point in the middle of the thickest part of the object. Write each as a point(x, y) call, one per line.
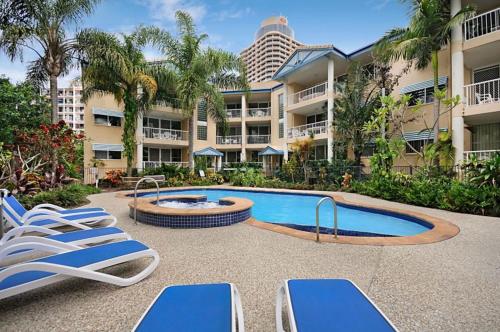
point(155, 179)
point(335, 225)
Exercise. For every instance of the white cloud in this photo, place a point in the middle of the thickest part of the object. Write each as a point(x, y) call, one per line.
point(232, 14)
point(165, 9)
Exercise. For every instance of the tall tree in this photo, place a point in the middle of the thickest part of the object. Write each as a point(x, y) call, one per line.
point(428, 32)
point(358, 98)
point(201, 73)
point(117, 66)
point(40, 26)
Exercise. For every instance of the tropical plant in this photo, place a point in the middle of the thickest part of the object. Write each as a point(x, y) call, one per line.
point(114, 177)
point(483, 172)
point(21, 109)
point(358, 97)
point(201, 73)
point(386, 151)
point(40, 26)
point(117, 66)
point(428, 32)
point(302, 149)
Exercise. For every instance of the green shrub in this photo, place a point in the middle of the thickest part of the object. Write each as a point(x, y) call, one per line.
point(248, 178)
point(439, 192)
point(67, 196)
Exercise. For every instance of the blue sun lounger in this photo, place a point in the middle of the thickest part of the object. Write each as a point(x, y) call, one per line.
point(51, 219)
point(208, 308)
point(328, 305)
point(47, 208)
point(15, 238)
point(81, 263)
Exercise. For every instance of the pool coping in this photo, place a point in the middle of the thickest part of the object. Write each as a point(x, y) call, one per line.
point(146, 205)
point(442, 229)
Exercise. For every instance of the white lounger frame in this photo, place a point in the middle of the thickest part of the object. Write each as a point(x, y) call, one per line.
point(236, 309)
point(64, 272)
point(284, 293)
point(12, 239)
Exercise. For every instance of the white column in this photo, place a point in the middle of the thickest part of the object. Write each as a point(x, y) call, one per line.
point(285, 121)
point(331, 73)
point(139, 138)
point(457, 84)
point(243, 128)
point(219, 163)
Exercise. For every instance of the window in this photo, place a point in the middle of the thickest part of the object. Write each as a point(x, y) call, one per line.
point(486, 137)
point(281, 130)
point(316, 118)
point(202, 133)
point(105, 120)
point(161, 155)
point(417, 145)
point(232, 157)
point(233, 131)
point(318, 152)
point(259, 130)
point(486, 74)
point(259, 105)
point(202, 111)
point(161, 123)
point(254, 157)
point(425, 96)
point(107, 155)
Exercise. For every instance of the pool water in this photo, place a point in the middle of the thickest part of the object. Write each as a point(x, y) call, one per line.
point(189, 205)
point(300, 209)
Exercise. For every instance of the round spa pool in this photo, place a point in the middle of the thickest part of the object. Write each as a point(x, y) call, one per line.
point(298, 211)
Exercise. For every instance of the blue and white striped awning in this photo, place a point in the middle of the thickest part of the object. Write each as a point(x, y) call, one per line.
point(107, 147)
point(422, 135)
point(103, 111)
point(443, 80)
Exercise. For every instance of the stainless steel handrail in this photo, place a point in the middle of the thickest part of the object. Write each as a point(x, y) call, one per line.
point(335, 225)
point(147, 179)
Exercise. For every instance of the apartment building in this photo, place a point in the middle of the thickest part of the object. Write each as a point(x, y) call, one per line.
point(274, 42)
point(70, 106)
point(299, 101)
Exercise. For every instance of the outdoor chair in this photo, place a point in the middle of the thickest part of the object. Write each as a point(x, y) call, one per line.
point(208, 308)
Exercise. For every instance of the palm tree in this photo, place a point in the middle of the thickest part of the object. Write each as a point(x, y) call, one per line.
point(302, 149)
point(117, 66)
point(357, 100)
point(428, 32)
point(40, 26)
point(201, 73)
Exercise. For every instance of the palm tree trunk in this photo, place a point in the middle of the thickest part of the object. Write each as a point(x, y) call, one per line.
point(191, 142)
point(437, 101)
point(53, 98)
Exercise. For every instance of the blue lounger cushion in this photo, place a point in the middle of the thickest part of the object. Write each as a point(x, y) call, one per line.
point(333, 305)
point(73, 217)
point(85, 234)
point(190, 308)
point(21, 210)
point(77, 259)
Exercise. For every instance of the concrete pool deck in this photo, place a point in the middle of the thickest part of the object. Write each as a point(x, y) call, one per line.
point(452, 285)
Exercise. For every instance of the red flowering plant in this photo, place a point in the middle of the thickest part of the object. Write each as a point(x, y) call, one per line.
point(45, 151)
point(114, 177)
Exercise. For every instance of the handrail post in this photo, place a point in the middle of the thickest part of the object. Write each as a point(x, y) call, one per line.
point(335, 223)
point(135, 193)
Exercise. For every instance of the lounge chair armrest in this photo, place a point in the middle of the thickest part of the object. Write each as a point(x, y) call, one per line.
point(48, 206)
point(35, 243)
point(57, 219)
point(39, 212)
point(18, 231)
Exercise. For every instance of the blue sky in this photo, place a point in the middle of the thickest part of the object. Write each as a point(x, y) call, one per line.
point(231, 25)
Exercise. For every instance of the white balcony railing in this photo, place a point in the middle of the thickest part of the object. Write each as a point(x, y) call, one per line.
point(480, 154)
point(482, 24)
point(233, 113)
point(166, 134)
point(315, 128)
point(258, 139)
point(309, 93)
point(155, 164)
point(258, 112)
point(483, 92)
point(234, 139)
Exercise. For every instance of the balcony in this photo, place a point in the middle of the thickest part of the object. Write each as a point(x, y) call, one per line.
point(481, 154)
point(233, 113)
point(258, 112)
point(226, 140)
point(165, 134)
point(258, 139)
point(482, 24)
point(155, 164)
point(482, 101)
point(316, 128)
point(308, 94)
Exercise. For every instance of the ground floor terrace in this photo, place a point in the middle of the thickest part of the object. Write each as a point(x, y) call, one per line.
point(450, 285)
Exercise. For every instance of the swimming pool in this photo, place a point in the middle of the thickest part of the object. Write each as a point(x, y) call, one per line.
point(299, 211)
